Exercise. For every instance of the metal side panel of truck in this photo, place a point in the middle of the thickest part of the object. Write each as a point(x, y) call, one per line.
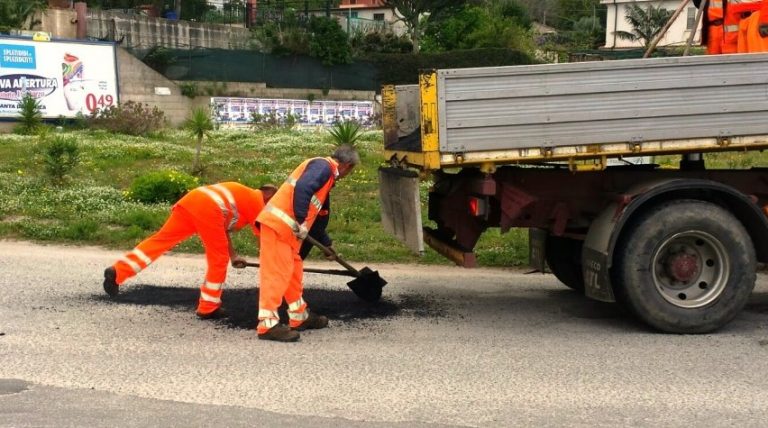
point(546, 147)
point(590, 110)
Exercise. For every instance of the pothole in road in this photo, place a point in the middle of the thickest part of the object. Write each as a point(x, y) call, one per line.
point(12, 386)
point(241, 304)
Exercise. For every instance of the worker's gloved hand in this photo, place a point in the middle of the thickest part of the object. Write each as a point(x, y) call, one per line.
point(301, 232)
point(238, 262)
point(332, 254)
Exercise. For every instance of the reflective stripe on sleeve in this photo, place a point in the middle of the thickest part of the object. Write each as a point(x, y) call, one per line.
point(208, 298)
point(716, 4)
point(316, 202)
point(143, 257)
point(291, 181)
point(135, 266)
point(731, 28)
point(277, 212)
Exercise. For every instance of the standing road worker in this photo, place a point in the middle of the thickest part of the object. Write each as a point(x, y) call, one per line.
point(212, 212)
point(724, 28)
point(285, 222)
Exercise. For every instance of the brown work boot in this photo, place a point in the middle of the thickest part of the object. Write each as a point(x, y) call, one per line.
point(280, 333)
point(110, 282)
point(313, 322)
point(218, 314)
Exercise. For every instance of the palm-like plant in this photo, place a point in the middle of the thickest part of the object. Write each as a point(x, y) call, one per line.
point(19, 15)
point(646, 23)
point(346, 132)
point(30, 117)
point(199, 124)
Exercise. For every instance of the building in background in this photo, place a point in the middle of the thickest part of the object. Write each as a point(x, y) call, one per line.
point(676, 36)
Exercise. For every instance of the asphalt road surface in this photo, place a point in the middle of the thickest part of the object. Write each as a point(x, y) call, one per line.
point(445, 347)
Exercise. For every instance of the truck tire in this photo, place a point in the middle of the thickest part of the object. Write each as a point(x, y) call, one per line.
point(563, 257)
point(686, 266)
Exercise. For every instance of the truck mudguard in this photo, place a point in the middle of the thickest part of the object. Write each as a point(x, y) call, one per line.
point(606, 229)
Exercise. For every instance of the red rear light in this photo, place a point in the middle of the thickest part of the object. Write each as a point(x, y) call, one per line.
point(478, 206)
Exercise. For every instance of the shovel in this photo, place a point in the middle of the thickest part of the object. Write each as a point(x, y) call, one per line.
point(367, 284)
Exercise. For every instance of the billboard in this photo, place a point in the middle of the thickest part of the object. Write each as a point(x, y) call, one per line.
point(239, 111)
point(66, 78)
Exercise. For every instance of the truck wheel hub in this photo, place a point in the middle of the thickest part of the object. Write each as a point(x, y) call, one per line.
point(683, 267)
point(690, 269)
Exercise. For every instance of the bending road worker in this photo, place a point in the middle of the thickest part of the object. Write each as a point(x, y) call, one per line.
point(212, 212)
point(285, 222)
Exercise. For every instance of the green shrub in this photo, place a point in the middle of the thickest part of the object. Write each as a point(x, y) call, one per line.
point(30, 117)
point(130, 118)
point(81, 230)
point(159, 58)
point(189, 89)
point(161, 186)
point(60, 156)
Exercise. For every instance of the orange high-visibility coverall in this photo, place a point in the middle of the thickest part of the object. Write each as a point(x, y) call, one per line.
point(715, 27)
point(281, 271)
point(751, 37)
point(736, 12)
point(211, 212)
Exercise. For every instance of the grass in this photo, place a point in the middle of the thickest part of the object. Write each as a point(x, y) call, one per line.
point(91, 208)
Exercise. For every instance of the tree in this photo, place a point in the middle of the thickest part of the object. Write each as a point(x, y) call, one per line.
point(19, 15)
point(199, 124)
point(646, 23)
point(414, 13)
point(328, 41)
point(503, 24)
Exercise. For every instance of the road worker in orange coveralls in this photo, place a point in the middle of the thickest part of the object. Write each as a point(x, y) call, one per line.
point(212, 212)
point(285, 222)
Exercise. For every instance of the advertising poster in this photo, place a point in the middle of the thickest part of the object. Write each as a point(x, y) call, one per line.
point(66, 78)
point(239, 111)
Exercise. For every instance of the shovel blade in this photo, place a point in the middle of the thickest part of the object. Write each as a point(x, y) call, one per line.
point(368, 285)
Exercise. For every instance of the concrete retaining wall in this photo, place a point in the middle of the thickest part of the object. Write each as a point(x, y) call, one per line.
point(135, 31)
point(141, 84)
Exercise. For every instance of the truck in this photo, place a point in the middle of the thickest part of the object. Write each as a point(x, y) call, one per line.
point(550, 147)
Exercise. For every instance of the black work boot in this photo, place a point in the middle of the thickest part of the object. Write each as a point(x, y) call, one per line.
point(110, 282)
point(313, 322)
point(280, 333)
point(218, 314)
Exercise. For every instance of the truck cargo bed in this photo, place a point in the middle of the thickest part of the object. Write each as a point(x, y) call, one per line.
point(575, 111)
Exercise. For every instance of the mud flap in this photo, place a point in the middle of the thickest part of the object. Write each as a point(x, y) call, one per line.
point(595, 260)
point(401, 206)
point(537, 242)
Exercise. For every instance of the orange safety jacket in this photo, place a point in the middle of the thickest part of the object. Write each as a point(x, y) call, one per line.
point(735, 12)
point(753, 34)
point(235, 204)
point(715, 26)
point(279, 214)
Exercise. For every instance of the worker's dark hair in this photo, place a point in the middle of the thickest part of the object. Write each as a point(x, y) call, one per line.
point(268, 187)
point(346, 154)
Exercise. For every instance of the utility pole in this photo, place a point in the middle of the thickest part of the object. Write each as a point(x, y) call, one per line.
point(327, 8)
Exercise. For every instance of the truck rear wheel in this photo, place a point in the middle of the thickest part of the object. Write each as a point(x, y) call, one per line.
point(563, 257)
point(686, 267)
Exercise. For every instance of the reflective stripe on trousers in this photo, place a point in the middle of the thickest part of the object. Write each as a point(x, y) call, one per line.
point(267, 320)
